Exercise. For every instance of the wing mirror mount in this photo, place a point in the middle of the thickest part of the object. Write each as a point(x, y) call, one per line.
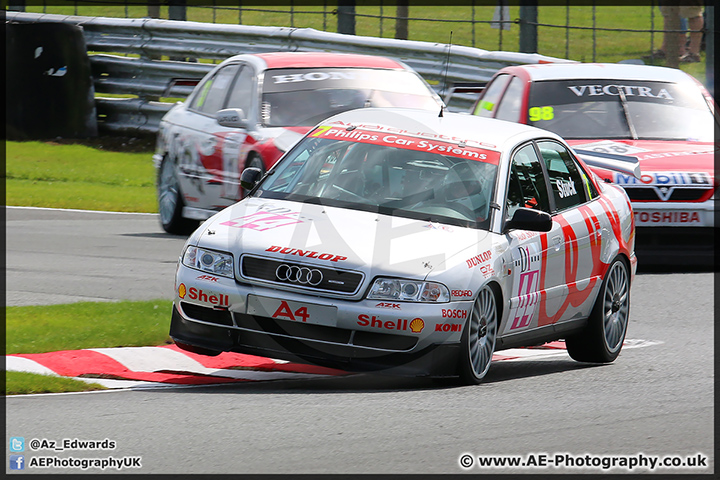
point(528, 219)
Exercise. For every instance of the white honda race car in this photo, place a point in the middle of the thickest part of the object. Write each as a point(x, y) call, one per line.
point(251, 108)
point(411, 243)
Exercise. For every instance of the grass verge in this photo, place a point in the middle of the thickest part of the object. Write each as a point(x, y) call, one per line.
point(23, 383)
point(47, 174)
point(39, 329)
point(80, 195)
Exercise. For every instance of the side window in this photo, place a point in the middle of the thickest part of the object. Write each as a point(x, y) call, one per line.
point(588, 185)
point(211, 97)
point(243, 91)
point(487, 104)
point(509, 108)
point(526, 187)
point(568, 182)
point(201, 95)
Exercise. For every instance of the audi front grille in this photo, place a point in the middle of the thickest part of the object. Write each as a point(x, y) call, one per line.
point(309, 277)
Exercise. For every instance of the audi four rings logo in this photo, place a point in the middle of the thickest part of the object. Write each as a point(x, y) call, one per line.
point(301, 275)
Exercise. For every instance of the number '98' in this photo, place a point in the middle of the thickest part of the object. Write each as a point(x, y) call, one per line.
point(541, 113)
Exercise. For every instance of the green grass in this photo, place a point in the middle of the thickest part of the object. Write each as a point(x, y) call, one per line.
point(80, 195)
point(39, 329)
point(75, 326)
point(43, 174)
point(22, 383)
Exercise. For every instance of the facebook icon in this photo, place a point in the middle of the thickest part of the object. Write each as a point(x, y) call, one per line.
point(17, 462)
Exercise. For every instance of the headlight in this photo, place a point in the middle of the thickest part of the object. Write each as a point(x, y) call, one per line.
point(408, 291)
point(209, 261)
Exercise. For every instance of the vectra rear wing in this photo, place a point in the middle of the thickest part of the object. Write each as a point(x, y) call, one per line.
point(626, 164)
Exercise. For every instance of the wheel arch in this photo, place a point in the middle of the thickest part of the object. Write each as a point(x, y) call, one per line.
point(497, 291)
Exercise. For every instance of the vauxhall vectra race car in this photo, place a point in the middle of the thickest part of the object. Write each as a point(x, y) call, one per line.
point(662, 116)
point(249, 109)
point(401, 241)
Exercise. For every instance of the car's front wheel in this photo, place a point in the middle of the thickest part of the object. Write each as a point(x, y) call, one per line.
point(602, 339)
point(478, 339)
point(170, 201)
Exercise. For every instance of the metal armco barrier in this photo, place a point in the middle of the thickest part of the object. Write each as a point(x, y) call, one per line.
point(146, 76)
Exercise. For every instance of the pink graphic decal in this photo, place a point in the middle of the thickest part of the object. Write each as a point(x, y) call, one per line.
point(262, 221)
point(529, 297)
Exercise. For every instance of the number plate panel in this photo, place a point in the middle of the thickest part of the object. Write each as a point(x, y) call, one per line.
point(292, 311)
point(675, 218)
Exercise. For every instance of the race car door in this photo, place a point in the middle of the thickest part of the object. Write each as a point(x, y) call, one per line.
point(535, 261)
point(575, 246)
point(208, 158)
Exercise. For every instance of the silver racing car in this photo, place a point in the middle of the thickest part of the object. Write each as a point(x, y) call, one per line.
point(411, 243)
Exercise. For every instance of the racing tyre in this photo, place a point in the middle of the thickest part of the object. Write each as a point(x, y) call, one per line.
point(478, 339)
point(170, 201)
point(602, 339)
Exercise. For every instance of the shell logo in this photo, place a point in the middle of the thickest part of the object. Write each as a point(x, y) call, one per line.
point(182, 291)
point(417, 325)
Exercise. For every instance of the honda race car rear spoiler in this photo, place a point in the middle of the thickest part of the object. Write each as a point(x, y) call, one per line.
point(609, 161)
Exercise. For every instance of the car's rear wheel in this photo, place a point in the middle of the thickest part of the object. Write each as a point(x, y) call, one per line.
point(602, 339)
point(170, 201)
point(478, 338)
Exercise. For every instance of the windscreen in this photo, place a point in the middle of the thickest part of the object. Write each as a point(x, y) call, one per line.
point(387, 173)
point(305, 97)
point(629, 110)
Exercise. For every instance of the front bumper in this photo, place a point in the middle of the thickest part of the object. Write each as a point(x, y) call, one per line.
point(434, 361)
point(412, 339)
point(675, 233)
point(674, 214)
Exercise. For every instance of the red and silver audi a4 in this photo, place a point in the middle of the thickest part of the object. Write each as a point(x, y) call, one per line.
point(251, 108)
point(413, 243)
point(662, 116)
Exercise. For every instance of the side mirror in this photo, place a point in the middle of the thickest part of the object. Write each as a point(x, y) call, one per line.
point(528, 219)
point(250, 177)
point(232, 118)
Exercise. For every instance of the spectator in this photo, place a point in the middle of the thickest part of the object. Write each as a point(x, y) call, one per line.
point(692, 12)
